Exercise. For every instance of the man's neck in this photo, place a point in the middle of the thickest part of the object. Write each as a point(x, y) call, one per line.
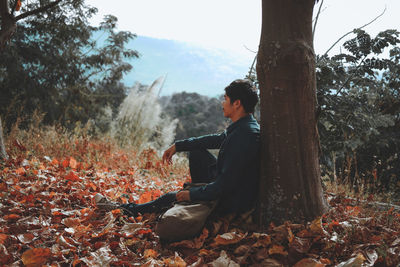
point(238, 116)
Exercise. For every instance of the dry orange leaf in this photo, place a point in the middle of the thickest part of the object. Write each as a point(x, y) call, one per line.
point(150, 253)
point(316, 227)
point(277, 249)
point(175, 261)
point(71, 222)
point(65, 163)
point(54, 162)
point(116, 212)
point(36, 256)
point(309, 263)
point(11, 217)
point(72, 163)
point(71, 176)
point(20, 171)
point(149, 196)
point(3, 238)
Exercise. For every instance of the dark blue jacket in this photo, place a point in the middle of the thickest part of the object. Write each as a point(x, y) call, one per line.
point(236, 184)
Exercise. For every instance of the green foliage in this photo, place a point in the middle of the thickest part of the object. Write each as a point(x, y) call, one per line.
point(52, 64)
point(197, 114)
point(359, 124)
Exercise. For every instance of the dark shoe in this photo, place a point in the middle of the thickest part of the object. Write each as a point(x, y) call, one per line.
point(129, 209)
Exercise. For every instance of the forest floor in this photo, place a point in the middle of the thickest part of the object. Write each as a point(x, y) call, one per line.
point(48, 216)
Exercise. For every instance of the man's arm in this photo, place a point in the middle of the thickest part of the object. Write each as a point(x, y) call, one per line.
point(211, 141)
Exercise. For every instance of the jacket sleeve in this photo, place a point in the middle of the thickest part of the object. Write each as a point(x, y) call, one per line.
point(211, 141)
point(240, 150)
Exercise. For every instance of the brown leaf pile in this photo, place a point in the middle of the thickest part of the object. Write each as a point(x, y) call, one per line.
point(47, 216)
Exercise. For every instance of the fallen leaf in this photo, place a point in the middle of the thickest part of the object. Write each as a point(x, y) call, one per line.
point(153, 263)
point(65, 163)
point(54, 162)
point(308, 263)
point(25, 238)
point(277, 249)
point(3, 238)
point(300, 245)
point(316, 227)
point(229, 238)
point(11, 217)
point(35, 256)
point(175, 261)
point(72, 163)
point(71, 176)
point(242, 249)
point(71, 222)
point(150, 253)
point(271, 263)
point(263, 240)
point(116, 212)
point(356, 261)
point(20, 171)
point(224, 261)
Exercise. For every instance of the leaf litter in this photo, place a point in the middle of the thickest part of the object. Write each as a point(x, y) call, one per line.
point(48, 216)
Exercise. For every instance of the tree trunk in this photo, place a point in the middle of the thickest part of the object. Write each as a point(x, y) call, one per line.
point(8, 24)
point(3, 153)
point(290, 184)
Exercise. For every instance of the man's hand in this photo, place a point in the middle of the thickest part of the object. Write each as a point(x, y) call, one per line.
point(167, 156)
point(183, 196)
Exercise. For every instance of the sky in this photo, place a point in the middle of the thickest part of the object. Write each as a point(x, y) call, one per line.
point(232, 27)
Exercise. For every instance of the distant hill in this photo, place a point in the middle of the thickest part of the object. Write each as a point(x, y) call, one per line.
point(188, 67)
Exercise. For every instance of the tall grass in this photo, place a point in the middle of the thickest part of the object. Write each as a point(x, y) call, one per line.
point(141, 122)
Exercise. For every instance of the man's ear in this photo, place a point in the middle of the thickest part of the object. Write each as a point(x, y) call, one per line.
point(237, 103)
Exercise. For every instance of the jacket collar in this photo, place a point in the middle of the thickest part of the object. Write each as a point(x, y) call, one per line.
point(242, 120)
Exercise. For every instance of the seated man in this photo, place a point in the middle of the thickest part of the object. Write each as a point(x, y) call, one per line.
point(233, 177)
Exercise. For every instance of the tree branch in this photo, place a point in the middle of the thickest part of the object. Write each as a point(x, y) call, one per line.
point(38, 10)
point(316, 19)
point(365, 25)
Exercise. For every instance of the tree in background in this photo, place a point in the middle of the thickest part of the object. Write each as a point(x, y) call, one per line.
point(197, 114)
point(290, 185)
point(358, 95)
point(8, 27)
point(52, 64)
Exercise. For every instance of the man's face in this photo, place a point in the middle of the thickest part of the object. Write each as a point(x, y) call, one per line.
point(227, 107)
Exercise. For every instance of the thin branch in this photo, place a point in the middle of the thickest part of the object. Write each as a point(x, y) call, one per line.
point(38, 10)
point(316, 18)
point(351, 76)
point(252, 65)
point(249, 49)
point(365, 25)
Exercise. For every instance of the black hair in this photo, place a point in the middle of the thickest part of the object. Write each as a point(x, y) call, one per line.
point(244, 91)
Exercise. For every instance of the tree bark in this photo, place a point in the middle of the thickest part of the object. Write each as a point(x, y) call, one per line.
point(3, 153)
point(8, 24)
point(290, 184)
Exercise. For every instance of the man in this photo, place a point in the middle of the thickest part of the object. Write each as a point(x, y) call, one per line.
point(232, 178)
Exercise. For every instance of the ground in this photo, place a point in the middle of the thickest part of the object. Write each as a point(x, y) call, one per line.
point(48, 216)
